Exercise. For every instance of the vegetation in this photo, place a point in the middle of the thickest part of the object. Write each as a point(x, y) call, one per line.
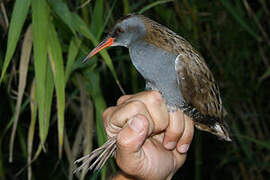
point(51, 103)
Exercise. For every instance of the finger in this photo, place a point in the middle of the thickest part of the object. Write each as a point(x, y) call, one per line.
point(129, 143)
point(179, 160)
point(108, 112)
point(185, 140)
point(174, 130)
point(123, 99)
point(156, 107)
point(106, 116)
point(122, 113)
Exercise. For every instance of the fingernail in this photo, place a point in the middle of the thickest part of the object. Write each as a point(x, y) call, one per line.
point(136, 124)
point(183, 148)
point(170, 145)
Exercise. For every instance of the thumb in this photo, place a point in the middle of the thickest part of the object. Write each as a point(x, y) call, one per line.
point(130, 141)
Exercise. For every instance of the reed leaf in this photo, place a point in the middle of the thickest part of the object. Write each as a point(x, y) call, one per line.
point(40, 24)
point(240, 19)
point(73, 50)
point(57, 66)
point(61, 9)
point(97, 17)
point(31, 130)
point(19, 13)
point(149, 6)
point(23, 69)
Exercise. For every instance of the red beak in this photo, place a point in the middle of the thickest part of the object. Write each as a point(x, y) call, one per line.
point(105, 43)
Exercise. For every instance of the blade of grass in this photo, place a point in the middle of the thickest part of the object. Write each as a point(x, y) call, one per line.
point(76, 147)
point(101, 30)
point(97, 17)
point(8, 126)
point(67, 149)
point(230, 8)
point(149, 6)
point(72, 53)
point(40, 34)
point(126, 6)
point(63, 12)
point(262, 143)
point(85, 10)
point(31, 130)
point(23, 69)
point(87, 118)
point(49, 84)
point(22, 142)
point(265, 75)
point(19, 13)
point(56, 60)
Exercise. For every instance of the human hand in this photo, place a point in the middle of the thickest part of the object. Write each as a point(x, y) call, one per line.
point(152, 143)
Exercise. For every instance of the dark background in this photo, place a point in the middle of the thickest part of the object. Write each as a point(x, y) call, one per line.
point(232, 36)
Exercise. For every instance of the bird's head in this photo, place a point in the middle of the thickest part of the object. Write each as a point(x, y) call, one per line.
point(128, 30)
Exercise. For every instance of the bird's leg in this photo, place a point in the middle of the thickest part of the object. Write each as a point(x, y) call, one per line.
point(102, 154)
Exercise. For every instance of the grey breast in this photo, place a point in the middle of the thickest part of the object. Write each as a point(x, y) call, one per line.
point(157, 66)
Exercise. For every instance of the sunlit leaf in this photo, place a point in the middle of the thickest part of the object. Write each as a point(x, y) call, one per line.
point(56, 60)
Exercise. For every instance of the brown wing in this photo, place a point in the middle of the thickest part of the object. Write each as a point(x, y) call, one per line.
point(197, 85)
point(200, 91)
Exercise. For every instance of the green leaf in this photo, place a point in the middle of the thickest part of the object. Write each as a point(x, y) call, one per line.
point(149, 6)
point(265, 75)
point(40, 37)
point(258, 142)
point(63, 12)
point(97, 17)
point(239, 18)
point(31, 129)
point(101, 29)
point(18, 17)
point(57, 66)
point(49, 85)
point(72, 53)
point(23, 70)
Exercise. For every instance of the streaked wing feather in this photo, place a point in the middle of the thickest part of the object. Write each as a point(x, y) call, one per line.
point(197, 85)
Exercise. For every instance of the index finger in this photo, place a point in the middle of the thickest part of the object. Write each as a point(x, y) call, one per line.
point(156, 107)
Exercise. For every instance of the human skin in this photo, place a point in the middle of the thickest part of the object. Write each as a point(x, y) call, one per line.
point(151, 142)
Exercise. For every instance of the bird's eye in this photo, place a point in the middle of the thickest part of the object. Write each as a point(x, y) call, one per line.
point(120, 30)
point(117, 31)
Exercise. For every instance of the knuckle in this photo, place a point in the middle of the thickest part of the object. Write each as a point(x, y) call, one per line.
point(136, 106)
point(155, 97)
point(105, 113)
point(122, 99)
point(174, 133)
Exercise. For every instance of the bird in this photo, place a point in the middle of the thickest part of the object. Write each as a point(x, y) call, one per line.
point(170, 65)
